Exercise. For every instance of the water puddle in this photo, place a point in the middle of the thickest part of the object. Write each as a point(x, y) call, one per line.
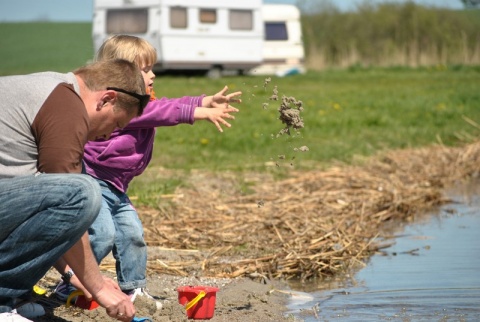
point(431, 273)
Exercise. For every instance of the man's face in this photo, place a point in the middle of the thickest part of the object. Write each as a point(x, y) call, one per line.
point(106, 120)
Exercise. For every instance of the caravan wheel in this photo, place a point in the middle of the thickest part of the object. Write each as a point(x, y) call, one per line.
point(214, 73)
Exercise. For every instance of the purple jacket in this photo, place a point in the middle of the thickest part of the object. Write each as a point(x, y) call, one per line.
point(128, 151)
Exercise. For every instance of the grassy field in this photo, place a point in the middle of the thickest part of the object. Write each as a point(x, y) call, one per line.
point(33, 47)
point(348, 113)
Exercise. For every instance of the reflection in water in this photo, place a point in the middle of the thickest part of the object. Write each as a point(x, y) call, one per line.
point(432, 273)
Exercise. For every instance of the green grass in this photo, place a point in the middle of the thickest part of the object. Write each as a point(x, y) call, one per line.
point(347, 113)
point(34, 47)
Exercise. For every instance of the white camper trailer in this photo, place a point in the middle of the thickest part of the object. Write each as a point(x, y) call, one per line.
point(210, 35)
point(283, 52)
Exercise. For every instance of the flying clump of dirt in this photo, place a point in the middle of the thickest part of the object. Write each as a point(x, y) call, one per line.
point(302, 149)
point(290, 110)
point(274, 96)
point(266, 81)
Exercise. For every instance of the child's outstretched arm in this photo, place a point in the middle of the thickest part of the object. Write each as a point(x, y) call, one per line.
point(217, 108)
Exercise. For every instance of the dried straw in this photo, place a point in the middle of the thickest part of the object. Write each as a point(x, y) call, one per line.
point(312, 224)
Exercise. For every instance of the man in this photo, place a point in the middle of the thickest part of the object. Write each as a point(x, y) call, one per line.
point(46, 204)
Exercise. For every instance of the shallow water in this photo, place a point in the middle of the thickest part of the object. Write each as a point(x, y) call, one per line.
point(431, 273)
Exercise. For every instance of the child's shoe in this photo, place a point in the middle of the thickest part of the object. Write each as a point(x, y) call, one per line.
point(141, 298)
point(63, 291)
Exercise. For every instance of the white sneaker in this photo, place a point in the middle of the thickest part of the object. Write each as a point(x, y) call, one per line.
point(141, 294)
point(13, 317)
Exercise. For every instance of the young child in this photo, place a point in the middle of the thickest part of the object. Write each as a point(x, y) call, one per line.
point(116, 161)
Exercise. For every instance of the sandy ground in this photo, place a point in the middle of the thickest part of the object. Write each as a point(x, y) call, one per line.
point(237, 300)
point(241, 299)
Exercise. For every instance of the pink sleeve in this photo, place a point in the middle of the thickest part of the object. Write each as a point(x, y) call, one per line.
point(167, 112)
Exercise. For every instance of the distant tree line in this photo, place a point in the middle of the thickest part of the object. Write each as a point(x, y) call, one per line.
point(390, 34)
point(471, 3)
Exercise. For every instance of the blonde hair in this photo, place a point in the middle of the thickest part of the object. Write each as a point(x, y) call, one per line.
point(118, 73)
point(131, 48)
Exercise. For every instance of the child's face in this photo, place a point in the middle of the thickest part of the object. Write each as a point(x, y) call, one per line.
point(148, 77)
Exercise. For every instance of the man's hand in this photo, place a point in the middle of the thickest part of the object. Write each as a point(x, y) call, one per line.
point(117, 304)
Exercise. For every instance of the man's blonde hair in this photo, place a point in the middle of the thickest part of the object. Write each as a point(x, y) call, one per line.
point(127, 47)
point(119, 73)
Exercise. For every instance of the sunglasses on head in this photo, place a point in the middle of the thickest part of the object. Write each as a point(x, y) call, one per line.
point(143, 99)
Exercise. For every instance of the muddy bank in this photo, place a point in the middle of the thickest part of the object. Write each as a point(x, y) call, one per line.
point(237, 300)
point(312, 224)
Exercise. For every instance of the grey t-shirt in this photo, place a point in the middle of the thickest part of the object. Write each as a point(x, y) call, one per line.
point(43, 124)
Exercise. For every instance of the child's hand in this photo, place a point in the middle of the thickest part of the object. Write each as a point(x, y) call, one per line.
point(217, 108)
point(221, 99)
point(216, 115)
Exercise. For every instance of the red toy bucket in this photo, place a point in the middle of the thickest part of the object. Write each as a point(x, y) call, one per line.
point(80, 300)
point(199, 301)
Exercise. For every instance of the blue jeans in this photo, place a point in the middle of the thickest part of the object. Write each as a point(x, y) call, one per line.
point(118, 229)
point(41, 217)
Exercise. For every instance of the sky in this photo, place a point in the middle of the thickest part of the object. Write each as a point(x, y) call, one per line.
point(81, 10)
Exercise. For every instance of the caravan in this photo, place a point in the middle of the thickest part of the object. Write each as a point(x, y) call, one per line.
point(283, 51)
point(214, 36)
point(208, 35)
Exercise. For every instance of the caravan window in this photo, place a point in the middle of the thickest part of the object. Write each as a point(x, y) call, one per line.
point(178, 17)
point(128, 21)
point(208, 15)
point(241, 19)
point(276, 31)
